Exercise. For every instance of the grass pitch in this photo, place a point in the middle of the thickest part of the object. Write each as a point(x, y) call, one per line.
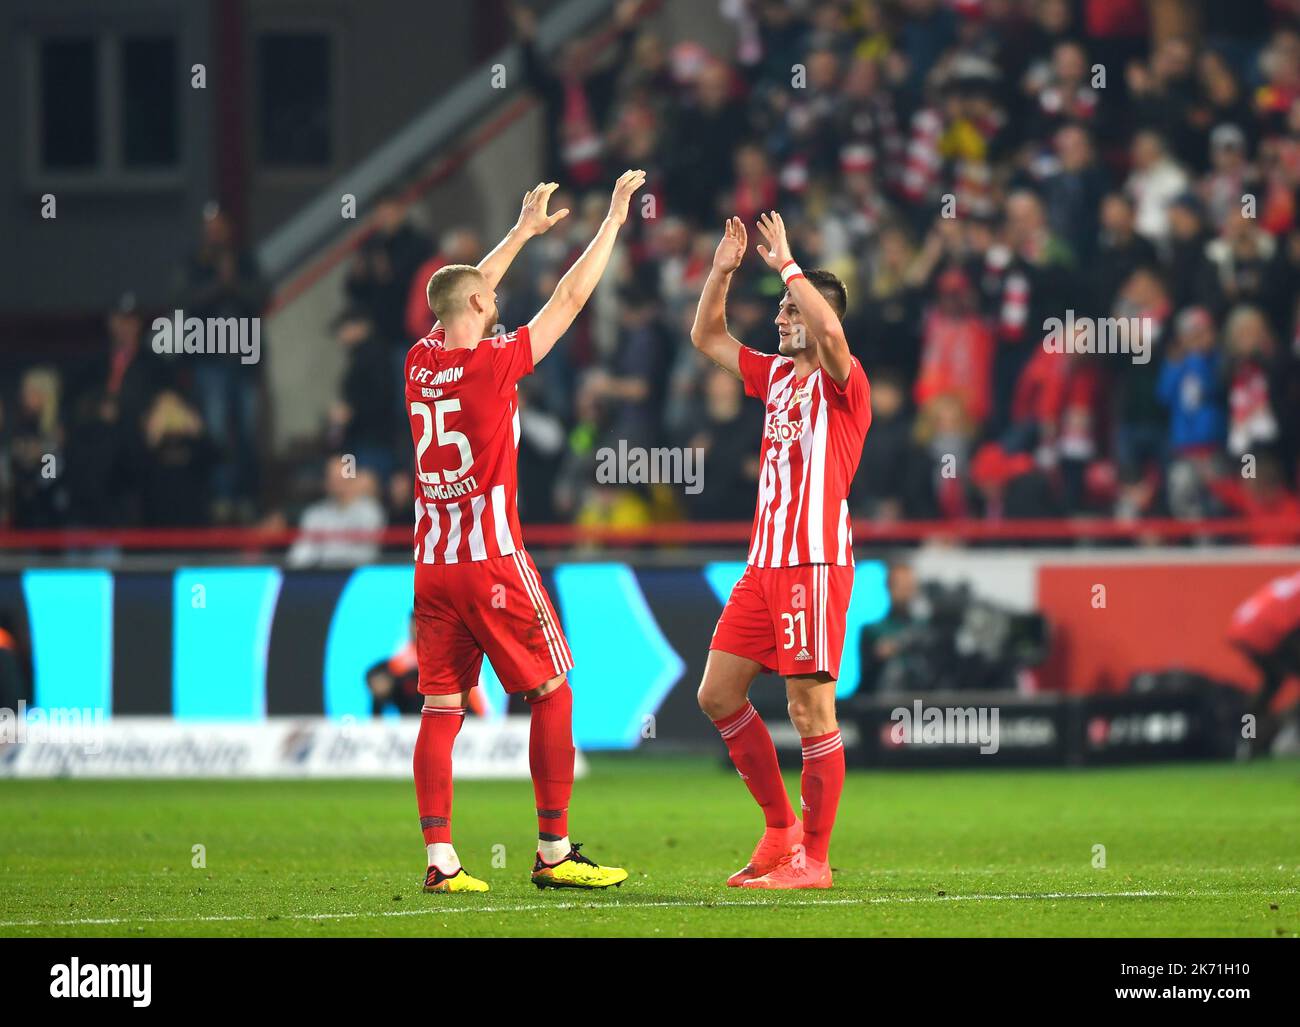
point(1189, 850)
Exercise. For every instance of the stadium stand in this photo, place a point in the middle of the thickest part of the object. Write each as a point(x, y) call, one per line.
point(971, 168)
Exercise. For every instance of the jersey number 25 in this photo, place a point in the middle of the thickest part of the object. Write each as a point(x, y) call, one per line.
point(446, 437)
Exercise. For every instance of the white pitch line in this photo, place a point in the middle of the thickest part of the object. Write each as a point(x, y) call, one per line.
point(533, 907)
point(432, 911)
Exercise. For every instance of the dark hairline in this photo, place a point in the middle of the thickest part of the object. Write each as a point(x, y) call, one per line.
point(834, 291)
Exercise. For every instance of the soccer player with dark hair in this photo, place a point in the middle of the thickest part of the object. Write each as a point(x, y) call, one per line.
point(476, 589)
point(787, 613)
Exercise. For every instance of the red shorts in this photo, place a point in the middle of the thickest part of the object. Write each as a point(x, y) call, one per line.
point(789, 619)
point(496, 607)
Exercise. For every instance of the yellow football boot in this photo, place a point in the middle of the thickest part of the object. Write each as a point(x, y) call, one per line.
point(436, 881)
point(576, 871)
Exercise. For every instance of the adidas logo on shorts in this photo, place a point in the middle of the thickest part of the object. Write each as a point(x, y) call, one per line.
point(803, 654)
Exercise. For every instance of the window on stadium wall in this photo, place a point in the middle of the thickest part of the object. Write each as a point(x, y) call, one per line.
point(69, 104)
point(295, 104)
point(149, 102)
point(106, 107)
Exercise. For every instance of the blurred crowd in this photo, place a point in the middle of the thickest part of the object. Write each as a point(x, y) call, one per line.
point(969, 168)
point(130, 437)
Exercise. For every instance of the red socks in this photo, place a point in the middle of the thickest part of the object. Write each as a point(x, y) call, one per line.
point(439, 726)
point(752, 751)
point(550, 758)
point(754, 755)
point(823, 781)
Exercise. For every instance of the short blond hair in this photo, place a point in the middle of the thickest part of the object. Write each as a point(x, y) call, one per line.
point(449, 287)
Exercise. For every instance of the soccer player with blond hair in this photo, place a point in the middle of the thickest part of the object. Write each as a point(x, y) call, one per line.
point(477, 591)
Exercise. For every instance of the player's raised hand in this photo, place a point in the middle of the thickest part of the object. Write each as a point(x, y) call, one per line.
point(628, 183)
point(533, 218)
point(777, 250)
point(731, 249)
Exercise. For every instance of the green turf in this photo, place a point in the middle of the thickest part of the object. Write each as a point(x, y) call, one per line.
point(1189, 850)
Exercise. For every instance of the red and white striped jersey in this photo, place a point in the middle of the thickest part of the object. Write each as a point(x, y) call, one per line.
point(464, 415)
point(812, 441)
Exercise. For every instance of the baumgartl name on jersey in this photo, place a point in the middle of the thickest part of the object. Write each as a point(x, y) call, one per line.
point(448, 490)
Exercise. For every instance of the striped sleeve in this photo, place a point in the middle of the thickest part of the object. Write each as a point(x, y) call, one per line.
point(512, 357)
point(854, 393)
point(756, 371)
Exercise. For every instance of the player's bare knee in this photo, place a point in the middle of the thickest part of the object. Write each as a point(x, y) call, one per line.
point(716, 702)
point(800, 716)
point(811, 715)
